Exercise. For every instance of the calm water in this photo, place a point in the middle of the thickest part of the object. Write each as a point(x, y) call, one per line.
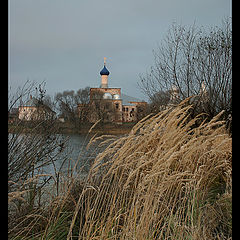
point(75, 157)
point(74, 153)
point(73, 160)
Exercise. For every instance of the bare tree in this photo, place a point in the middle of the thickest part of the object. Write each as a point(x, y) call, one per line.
point(82, 96)
point(31, 146)
point(214, 69)
point(173, 63)
point(20, 95)
point(82, 99)
point(100, 108)
point(66, 105)
point(159, 101)
point(73, 106)
point(196, 62)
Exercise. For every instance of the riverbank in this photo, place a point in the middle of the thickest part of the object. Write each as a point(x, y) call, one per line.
point(68, 128)
point(105, 128)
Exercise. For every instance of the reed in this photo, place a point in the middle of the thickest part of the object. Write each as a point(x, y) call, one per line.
point(170, 178)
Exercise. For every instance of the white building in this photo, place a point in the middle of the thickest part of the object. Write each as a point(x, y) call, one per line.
point(32, 110)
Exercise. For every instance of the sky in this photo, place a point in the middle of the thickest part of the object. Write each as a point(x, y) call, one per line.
point(64, 42)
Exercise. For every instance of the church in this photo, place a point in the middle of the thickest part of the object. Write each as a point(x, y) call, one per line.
point(110, 105)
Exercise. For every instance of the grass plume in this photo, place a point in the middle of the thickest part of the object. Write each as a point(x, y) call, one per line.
point(170, 178)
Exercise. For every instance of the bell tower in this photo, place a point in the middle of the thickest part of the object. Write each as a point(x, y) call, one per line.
point(104, 75)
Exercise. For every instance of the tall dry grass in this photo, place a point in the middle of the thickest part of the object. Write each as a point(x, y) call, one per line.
point(169, 178)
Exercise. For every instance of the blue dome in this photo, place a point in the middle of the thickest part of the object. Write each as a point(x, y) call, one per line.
point(104, 71)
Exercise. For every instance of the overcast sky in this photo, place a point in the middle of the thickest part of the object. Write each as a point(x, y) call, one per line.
point(64, 41)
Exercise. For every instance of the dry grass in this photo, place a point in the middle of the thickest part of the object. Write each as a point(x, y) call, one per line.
point(170, 178)
point(167, 179)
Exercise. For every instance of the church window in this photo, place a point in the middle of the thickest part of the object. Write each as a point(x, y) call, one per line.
point(117, 105)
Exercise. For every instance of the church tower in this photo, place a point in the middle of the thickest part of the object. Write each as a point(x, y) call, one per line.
point(104, 74)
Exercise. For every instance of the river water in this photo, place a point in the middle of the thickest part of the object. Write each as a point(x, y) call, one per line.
point(73, 155)
point(73, 158)
point(76, 157)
